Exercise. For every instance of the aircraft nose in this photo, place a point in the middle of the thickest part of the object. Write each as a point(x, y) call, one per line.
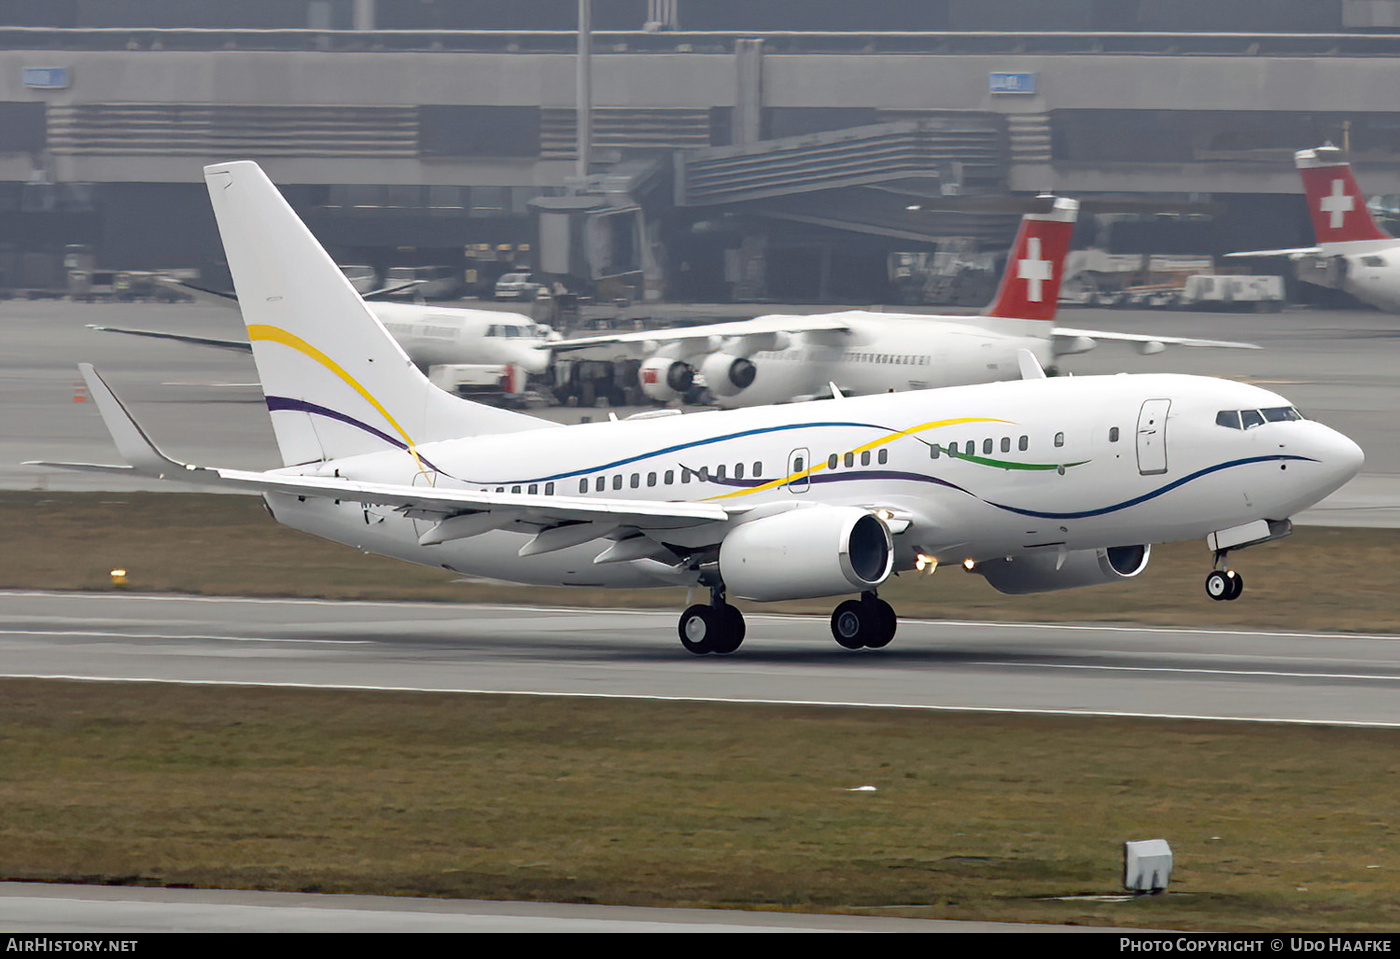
point(531, 359)
point(1340, 456)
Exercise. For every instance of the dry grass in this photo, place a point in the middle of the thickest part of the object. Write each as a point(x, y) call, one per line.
point(697, 805)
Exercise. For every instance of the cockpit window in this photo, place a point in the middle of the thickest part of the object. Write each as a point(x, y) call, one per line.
point(1248, 419)
point(1373, 261)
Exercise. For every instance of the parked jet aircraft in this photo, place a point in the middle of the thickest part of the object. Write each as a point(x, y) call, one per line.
point(1353, 254)
point(448, 338)
point(777, 358)
point(1038, 484)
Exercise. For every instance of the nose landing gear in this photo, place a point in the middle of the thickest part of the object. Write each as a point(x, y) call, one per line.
point(1223, 584)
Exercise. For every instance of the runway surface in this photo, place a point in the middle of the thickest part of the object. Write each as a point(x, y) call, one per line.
point(118, 911)
point(1079, 670)
point(201, 405)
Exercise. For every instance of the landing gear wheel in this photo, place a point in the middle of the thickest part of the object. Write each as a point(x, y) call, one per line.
point(1224, 584)
point(731, 634)
point(697, 629)
point(884, 626)
point(868, 622)
point(848, 625)
point(711, 629)
point(1236, 584)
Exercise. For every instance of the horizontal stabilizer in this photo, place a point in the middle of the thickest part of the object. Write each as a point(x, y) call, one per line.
point(239, 346)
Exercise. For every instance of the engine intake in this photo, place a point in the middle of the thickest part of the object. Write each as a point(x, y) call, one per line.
point(1039, 573)
point(726, 374)
point(664, 379)
point(815, 551)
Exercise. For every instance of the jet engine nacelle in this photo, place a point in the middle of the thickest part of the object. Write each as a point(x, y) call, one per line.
point(663, 378)
point(1043, 572)
point(814, 551)
point(726, 374)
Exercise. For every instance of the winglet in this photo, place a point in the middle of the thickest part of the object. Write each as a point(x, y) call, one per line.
point(132, 442)
point(1030, 366)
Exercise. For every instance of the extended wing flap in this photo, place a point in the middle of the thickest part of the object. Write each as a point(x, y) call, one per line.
point(1147, 338)
point(1291, 252)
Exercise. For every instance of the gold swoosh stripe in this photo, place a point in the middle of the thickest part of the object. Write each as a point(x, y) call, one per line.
point(818, 467)
point(277, 335)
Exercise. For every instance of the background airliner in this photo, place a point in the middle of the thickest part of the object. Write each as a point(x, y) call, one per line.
point(436, 338)
point(1036, 484)
point(1353, 254)
point(778, 358)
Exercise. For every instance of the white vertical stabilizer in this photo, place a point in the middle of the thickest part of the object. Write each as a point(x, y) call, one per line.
point(336, 383)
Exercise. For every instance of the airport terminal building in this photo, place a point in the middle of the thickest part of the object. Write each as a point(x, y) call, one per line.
point(730, 151)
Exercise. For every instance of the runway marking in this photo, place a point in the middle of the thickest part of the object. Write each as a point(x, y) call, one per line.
point(724, 700)
point(1276, 674)
point(106, 634)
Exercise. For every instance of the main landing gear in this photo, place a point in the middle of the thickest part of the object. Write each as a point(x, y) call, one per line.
point(865, 623)
point(716, 628)
point(1223, 584)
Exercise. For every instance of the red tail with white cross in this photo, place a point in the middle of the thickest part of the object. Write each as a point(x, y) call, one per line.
point(1030, 287)
point(1335, 201)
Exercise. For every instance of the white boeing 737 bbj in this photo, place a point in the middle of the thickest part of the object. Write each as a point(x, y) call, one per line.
point(779, 358)
point(1353, 254)
point(1037, 484)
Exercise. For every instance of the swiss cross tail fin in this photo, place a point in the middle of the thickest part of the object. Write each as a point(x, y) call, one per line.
point(1335, 202)
point(1030, 286)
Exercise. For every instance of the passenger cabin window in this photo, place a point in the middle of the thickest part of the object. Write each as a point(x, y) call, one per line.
point(1113, 434)
point(1024, 443)
point(1006, 444)
point(884, 456)
point(1059, 439)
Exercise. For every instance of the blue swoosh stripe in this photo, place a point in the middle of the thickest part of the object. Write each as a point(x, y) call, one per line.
point(678, 448)
point(1160, 491)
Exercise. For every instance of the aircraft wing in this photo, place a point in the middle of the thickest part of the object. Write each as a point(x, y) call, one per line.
point(601, 515)
point(1291, 252)
point(1066, 336)
point(242, 346)
point(758, 326)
